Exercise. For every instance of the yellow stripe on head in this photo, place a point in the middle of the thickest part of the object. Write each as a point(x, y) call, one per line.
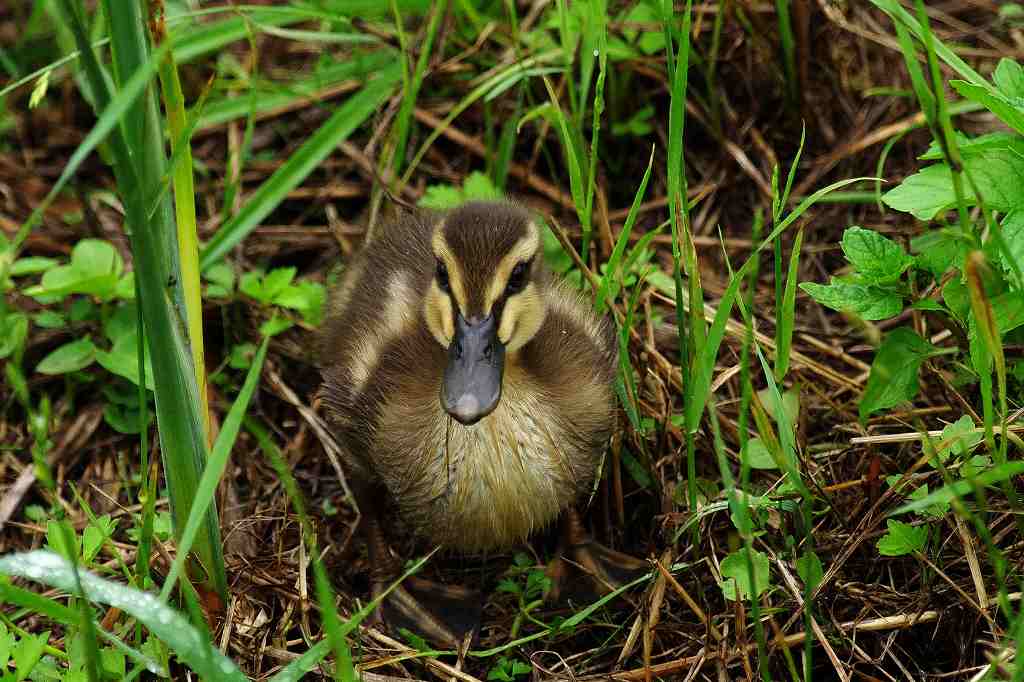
point(523, 250)
point(444, 255)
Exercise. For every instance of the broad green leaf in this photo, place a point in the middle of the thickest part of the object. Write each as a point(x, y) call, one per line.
point(969, 146)
point(307, 297)
point(478, 187)
point(736, 578)
point(441, 197)
point(48, 319)
point(123, 359)
point(790, 403)
point(974, 466)
point(13, 333)
point(878, 259)
point(1012, 226)
point(70, 357)
point(27, 652)
point(867, 301)
point(95, 534)
point(902, 538)
point(757, 455)
point(964, 487)
point(1008, 109)
point(221, 277)
point(998, 174)
point(809, 568)
point(95, 269)
point(276, 281)
point(251, 284)
point(1009, 78)
point(276, 325)
point(1008, 313)
point(96, 258)
point(6, 646)
point(939, 250)
point(924, 193)
point(173, 628)
point(959, 438)
point(242, 355)
point(32, 266)
point(957, 299)
point(893, 377)
point(554, 255)
point(57, 534)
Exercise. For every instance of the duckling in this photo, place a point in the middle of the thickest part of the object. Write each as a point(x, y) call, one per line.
point(474, 390)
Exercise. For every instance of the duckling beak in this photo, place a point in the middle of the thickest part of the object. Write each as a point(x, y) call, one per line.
point(476, 361)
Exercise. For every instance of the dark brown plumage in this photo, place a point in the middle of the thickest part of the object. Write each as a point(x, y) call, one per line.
point(384, 352)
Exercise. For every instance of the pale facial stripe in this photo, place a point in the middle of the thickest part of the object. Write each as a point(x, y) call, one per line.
point(395, 316)
point(522, 251)
point(455, 276)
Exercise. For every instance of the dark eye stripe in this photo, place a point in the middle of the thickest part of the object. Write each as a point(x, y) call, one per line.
point(517, 280)
point(442, 277)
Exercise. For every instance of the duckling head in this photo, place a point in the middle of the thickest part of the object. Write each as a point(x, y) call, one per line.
point(485, 300)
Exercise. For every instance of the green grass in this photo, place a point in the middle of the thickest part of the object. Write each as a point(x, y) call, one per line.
point(731, 453)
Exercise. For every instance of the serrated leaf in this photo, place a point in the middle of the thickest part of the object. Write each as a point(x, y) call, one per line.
point(251, 284)
point(1006, 108)
point(70, 357)
point(441, 197)
point(478, 187)
point(307, 297)
point(869, 302)
point(893, 377)
point(736, 579)
point(998, 174)
point(276, 281)
point(902, 538)
point(1009, 78)
point(878, 259)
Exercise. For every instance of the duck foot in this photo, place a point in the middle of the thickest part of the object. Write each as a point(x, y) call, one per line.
point(604, 568)
point(442, 614)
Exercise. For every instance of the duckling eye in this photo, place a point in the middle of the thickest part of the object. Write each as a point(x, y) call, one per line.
point(517, 280)
point(442, 277)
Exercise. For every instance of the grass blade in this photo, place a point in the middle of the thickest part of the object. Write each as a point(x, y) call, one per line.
point(787, 314)
point(163, 621)
point(207, 487)
point(612, 272)
point(333, 132)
